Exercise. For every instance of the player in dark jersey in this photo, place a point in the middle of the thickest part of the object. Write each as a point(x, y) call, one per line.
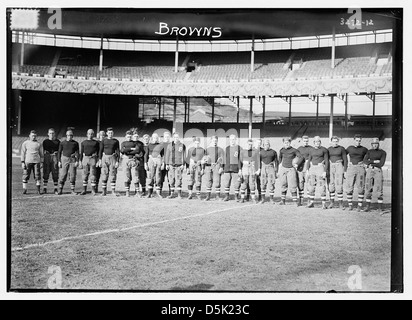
point(338, 166)
point(213, 168)
point(109, 154)
point(68, 157)
point(100, 137)
point(51, 163)
point(303, 174)
point(165, 143)
point(89, 157)
point(374, 160)
point(355, 174)
point(318, 166)
point(195, 168)
point(259, 148)
point(249, 168)
point(175, 159)
point(129, 149)
point(287, 171)
point(155, 162)
point(143, 173)
point(269, 169)
point(231, 168)
point(140, 165)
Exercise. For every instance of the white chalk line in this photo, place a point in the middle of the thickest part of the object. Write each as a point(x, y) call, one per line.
point(97, 233)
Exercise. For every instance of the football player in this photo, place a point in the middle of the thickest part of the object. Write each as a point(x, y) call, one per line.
point(109, 154)
point(338, 166)
point(154, 165)
point(355, 174)
point(231, 168)
point(287, 171)
point(374, 160)
point(51, 163)
point(317, 166)
point(213, 168)
point(68, 157)
point(195, 168)
point(175, 161)
point(249, 168)
point(89, 157)
point(31, 160)
point(301, 169)
point(269, 169)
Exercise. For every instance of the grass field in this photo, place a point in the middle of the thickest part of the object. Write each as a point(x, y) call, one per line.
point(119, 243)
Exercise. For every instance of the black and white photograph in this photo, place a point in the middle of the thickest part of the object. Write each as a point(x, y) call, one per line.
point(204, 150)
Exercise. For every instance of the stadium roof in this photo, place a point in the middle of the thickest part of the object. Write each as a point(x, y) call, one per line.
point(212, 24)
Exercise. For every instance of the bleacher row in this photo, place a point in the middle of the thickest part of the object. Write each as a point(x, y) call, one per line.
point(351, 61)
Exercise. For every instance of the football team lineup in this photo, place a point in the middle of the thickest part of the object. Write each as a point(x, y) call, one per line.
point(152, 162)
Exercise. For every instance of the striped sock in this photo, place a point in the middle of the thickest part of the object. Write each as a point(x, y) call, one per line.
point(283, 196)
point(332, 196)
point(323, 199)
point(350, 198)
point(312, 198)
point(295, 197)
point(360, 200)
point(340, 196)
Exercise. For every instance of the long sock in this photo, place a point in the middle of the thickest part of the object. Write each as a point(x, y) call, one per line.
point(323, 199)
point(360, 199)
point(294, 197)
point(350, 199)
point(311, 198)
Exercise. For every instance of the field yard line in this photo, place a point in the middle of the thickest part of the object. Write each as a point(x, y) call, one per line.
point(36, 245)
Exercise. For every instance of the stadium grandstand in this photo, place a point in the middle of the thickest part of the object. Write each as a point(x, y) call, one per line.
point(326, 79)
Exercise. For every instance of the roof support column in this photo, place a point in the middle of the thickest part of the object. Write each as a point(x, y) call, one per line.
point(238, 109)
point(174, 113)
point(290, 111)
point(177, 54)
point(264, 112)
point(22, 49)
point(99, 112)
point(333, 50)
point(213, 109)
point(160, 107)
point(252, 55)
point(250, 117)
point(346, 112)
point(373, 95)
point(317, 112)
point(138, 106)
point(331, 117)
point(101, 55)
